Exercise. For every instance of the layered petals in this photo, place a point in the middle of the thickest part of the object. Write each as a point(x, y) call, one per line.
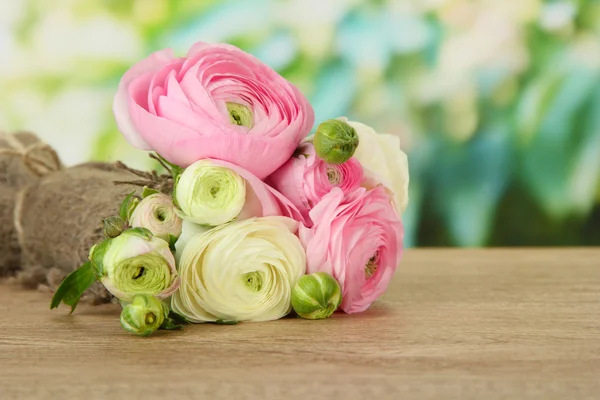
point(191, 108)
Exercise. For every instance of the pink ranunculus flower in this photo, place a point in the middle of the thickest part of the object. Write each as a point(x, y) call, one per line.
point(305, 178)
point(217, 102)
point(261, 199)
point(357, 238)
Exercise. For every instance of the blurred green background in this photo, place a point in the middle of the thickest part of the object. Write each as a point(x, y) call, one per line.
point(497, 102)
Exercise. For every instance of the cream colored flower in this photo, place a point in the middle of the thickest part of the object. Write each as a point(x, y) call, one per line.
point(188, 231)
point(209, 194)
point(241, 271)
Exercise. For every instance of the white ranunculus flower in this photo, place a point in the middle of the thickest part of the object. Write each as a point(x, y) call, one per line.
point(157, 214)
point(241, 271)
point(383, 160)
point(209, 194)
point(188, 231)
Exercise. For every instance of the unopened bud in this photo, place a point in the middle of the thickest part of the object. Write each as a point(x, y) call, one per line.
point(335, 141)
point(113, 226)
point(316, 296)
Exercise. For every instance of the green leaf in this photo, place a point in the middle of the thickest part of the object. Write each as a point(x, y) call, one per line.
point(148, 192)
point(173, 321)
point(97, 256)
point(178, 319)
point(174, 195)
point(170, 325)
point(176, 170)
point(139, 231)
point(172, 241)
point(225, 322)
point(123, 206)
point(127, 206)
point(71, 289)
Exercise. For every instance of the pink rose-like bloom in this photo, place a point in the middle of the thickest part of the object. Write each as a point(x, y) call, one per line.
point(178, 107)
point(357, 238)
point(305, 178)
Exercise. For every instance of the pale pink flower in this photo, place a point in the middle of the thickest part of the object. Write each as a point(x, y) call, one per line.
point(357, 238)
point(217, 102)
point(305, 178)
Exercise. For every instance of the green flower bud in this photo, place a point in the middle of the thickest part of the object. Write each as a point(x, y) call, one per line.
point(240, 115)
point(335, 141)
point(144, 315)
point(316, 296)
point(113, 226)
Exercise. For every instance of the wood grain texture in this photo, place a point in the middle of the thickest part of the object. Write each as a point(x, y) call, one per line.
point(454, 324)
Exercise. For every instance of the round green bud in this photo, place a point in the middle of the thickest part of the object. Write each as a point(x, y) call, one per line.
point(143, 315)
point(335, 141)
point(113, 226)
point(316, 296)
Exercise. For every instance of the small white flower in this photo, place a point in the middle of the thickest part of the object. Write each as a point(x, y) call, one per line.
point(157, 214)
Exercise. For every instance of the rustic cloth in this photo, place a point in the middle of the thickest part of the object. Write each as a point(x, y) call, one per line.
point(9, 245)
point(59, 218)
point(24, 159)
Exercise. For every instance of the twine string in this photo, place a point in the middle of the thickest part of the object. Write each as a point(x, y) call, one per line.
point(34, 157)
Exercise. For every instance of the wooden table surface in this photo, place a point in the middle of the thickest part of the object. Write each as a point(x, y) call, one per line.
point(454, 324)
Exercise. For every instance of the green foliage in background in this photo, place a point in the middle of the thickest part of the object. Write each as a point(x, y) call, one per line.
point(496, 102)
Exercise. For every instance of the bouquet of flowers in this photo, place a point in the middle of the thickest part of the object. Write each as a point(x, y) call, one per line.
point(261, 218)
